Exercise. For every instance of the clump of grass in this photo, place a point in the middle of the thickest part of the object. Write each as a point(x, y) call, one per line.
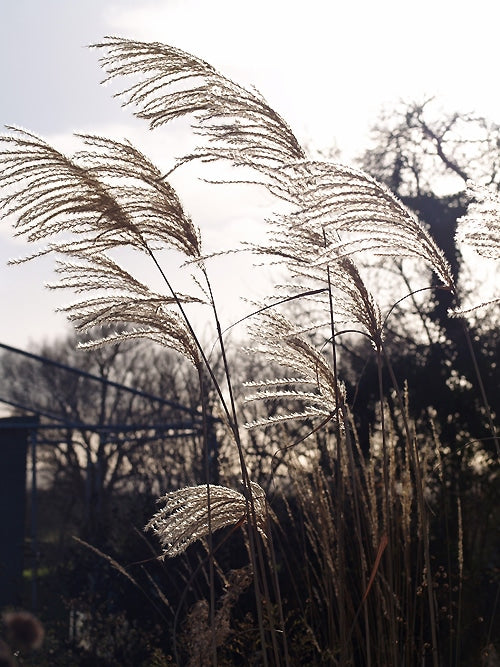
point(360, 566)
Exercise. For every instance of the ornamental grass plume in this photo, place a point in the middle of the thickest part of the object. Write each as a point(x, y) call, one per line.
point(339, 211)
point(107, 197)
point(169, 83)
point(479, 228)
point(283, 344)
point(191, 513)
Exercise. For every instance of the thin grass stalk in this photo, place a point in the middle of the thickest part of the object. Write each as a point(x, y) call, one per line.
point(387, 511)
point(422, 511)
point(340, 495)
point(482, 389)
point(371, 607)
point(406, 538)
point(409, 599)
point(204, 409)
point(340, 492)
point(255, 543)
point(359, 482)
point(322, 534)
point(418, 309)
point(301, 541)
point(362, 559)
point(460, 575)
point(449, 558)
point(274, 573)
point(208, 366)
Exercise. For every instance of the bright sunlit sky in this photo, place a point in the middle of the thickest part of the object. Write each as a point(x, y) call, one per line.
point(327, 66)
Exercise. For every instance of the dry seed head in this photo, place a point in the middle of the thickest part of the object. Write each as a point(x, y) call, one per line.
point(338, 211)
point(281, 343)
point(104, 198)
point(168, 83)
point(184, 519)
point(480, 226)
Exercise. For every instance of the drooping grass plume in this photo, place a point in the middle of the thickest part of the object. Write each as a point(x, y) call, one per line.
point(187, 517)
point(90, 205)
point(479, 228)
point(339, 211)
point(171, 83)
point(109, 197)
point(283, 344)
point(239, 126)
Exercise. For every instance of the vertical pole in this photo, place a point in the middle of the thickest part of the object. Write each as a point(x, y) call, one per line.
point(14, 442)
point(34, 525)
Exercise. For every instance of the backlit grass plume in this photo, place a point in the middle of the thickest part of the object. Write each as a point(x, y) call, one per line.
point(356, 211)
point(108, 196)
point(479, 228)
point(87, 206)
point(339, 211)
point(283, 344)
point(184, 519)
point(170, 83)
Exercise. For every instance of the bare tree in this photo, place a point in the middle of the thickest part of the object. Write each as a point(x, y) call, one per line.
point(419, 148)
point(427, 156)
point(98, 438)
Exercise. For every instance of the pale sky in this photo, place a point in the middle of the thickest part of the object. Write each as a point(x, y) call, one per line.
point(327, 66)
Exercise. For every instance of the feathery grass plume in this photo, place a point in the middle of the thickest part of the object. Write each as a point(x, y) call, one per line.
point(337, 290)
point(110, 197)
point(130, 302)
point(90, 205)
point(479, 228)
point(338, 211)
point(242, 128)
point(185, 517)
point(239, 124)
point(282, 343)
